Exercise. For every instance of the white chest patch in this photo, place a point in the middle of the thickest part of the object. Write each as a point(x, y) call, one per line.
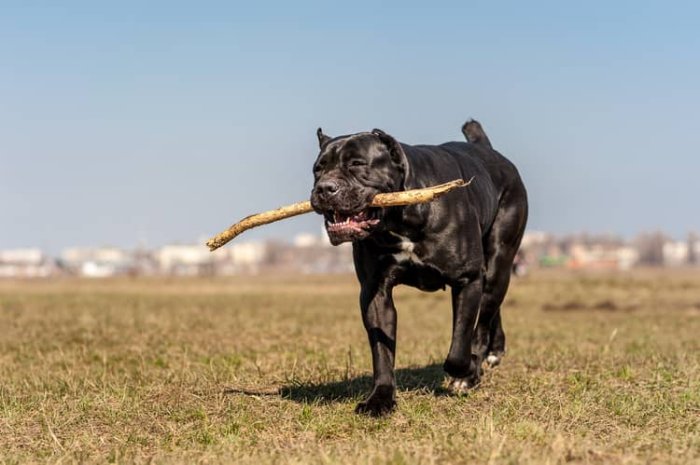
point(406, 254)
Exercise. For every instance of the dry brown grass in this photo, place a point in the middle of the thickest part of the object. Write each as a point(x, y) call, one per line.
point(600, 369)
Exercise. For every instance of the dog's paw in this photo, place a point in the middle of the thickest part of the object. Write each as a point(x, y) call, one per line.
point(494, 359)
point(375, 408)
point(381, 402)
point(462, 386)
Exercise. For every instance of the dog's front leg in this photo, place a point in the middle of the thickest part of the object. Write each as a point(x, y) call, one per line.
point(379, 318)
point(461, 364)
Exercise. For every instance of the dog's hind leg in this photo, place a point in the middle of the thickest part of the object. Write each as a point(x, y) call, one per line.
point(461, 364)
point(500, 247)
point(490, 341)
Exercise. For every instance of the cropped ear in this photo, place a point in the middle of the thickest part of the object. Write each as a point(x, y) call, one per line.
point(322, 138)
point(395, 151)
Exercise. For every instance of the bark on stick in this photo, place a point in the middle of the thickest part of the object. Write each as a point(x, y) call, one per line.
point(389, 199)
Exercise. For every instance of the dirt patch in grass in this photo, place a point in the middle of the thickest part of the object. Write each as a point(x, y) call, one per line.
point(602, 305)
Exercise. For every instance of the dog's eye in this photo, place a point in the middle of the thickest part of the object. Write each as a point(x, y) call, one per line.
point(358, 163)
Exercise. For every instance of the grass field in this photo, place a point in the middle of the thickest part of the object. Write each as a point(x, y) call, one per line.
point(600, 369)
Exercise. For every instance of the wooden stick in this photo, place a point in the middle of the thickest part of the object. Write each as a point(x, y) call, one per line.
point(389, 199)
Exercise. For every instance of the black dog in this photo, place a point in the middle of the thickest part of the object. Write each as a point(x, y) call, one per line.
point(466, 240)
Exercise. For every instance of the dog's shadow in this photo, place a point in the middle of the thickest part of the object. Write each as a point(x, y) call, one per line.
point(427, 379)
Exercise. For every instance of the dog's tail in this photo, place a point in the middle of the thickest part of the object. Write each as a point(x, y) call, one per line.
point(475, 134)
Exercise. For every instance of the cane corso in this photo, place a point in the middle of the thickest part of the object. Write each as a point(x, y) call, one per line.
point(466, 240)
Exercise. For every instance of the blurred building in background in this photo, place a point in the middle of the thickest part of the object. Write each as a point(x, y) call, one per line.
point(184, 260)
point(313, 253)
point(585, 251)
point(26, 263)
point(95, 262)
point(681, 253)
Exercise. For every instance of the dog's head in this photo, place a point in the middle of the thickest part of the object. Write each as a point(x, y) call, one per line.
point(348, 173)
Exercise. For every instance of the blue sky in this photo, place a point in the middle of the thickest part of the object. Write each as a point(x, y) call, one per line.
point(152, 122)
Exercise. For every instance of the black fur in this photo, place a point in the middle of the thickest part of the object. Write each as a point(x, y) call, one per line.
point(466, 240)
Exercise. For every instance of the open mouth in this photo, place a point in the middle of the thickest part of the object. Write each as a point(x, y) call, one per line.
point(349, 227)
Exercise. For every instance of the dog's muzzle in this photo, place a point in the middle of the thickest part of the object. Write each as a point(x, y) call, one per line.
point(346, 210)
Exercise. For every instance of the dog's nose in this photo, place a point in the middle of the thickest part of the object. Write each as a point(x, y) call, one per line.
point(326, 189)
